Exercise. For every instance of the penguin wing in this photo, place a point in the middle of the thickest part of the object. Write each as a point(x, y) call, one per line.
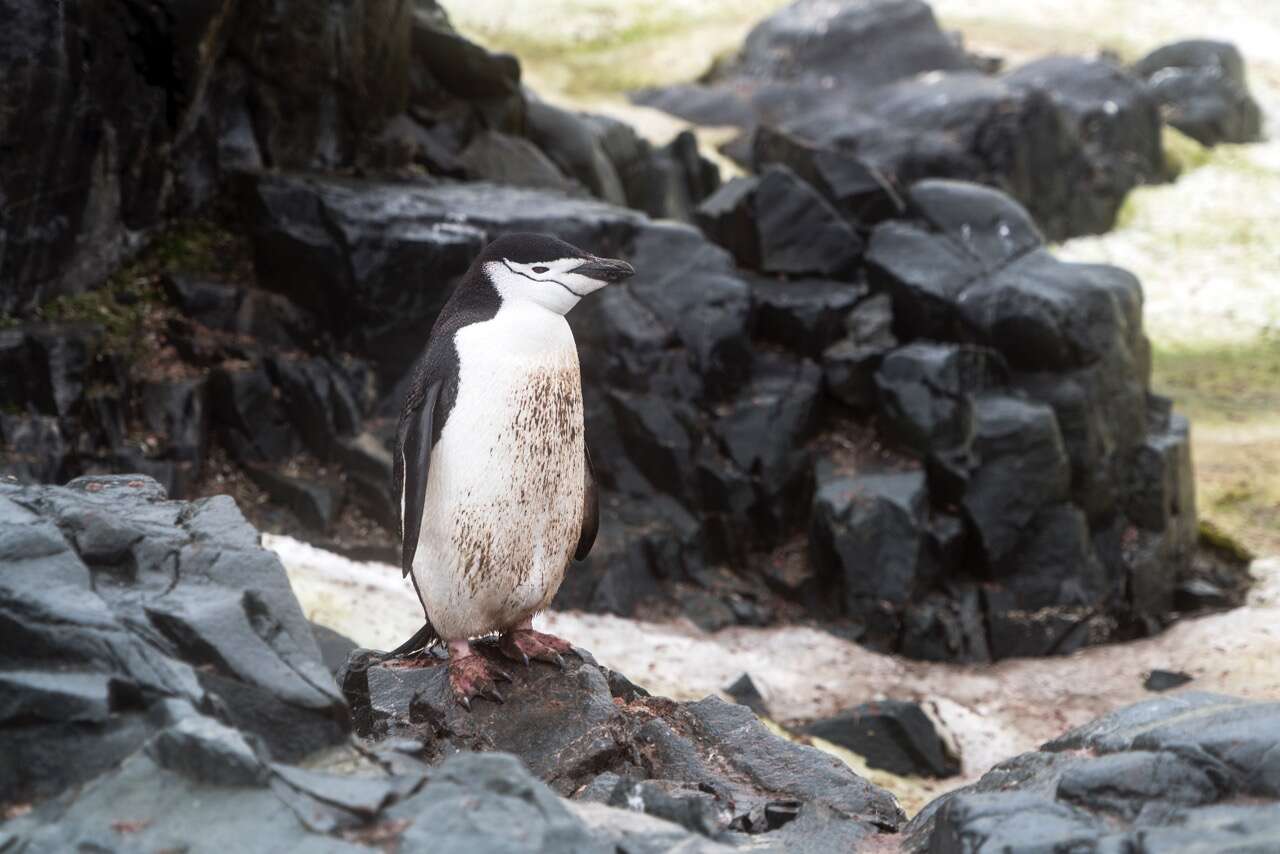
point(414, 440)
point(590, 510)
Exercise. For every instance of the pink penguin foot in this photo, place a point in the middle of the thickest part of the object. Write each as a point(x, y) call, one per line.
point(523, 644)
point(471, 675)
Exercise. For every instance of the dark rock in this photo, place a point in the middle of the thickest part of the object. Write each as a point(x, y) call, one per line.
point(744, 692)
point(316, 503)
point(246, 412)
point(669, 182)
point(165, 110)
point(855, 188)
point(708, 765)
point(1164, 680)
point(505, 159)
point(849, 365)
point(177, 412)
point(1171, 774)
point(858, 45)
point(1116, 117)
point(143, 599)
point(1024, 468)
point(926, 393)
point(778, 224)
point(870, 519)
point(335, 648)
point(32, 448)
point(894, 735)
point(319, 400)
point(573, 143)
point(1202, 91)
point(45, 367)
point(203, 749)
point(806, 315)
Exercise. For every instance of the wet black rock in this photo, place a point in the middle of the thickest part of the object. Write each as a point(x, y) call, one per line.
point(1202, 90)
point(1165, 680)
point(172, 97)
point(778, 224)
point(1115, 115)
point(744, 692)
point(894, 735)
point(875, 519)
point(708, 765)
point(1191, 772)
point(141, 602)
point(862, 99)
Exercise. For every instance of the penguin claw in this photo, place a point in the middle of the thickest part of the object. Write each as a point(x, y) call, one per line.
point(464, 701)
point(495, 695)
point(526, 645)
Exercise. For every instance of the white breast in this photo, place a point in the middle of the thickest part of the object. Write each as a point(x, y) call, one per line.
point(504, 500)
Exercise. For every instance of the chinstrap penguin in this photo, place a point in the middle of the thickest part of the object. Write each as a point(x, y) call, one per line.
point(492, 474)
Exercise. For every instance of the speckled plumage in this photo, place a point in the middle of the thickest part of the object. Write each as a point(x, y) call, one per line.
point(492, 474)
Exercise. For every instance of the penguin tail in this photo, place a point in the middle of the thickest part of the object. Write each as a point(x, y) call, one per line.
point(422, 638)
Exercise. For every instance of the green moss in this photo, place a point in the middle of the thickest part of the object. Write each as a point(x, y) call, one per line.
point(132, 304)
point(1213, 537)
point(1181, 152)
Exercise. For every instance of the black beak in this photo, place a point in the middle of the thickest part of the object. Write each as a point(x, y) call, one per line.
point(605, 269)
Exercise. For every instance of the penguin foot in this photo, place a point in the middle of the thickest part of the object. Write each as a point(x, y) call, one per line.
point(525, 644)
point(473, 676)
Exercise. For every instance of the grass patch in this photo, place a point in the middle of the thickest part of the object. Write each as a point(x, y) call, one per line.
point(1181, 153)
point(1221, 381)
point(1232, 394)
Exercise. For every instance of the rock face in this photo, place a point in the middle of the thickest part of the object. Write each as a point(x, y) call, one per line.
point(1186, 773)
point(159, 684)
point(1202, 91)
point(118, 121)
point(880, 85)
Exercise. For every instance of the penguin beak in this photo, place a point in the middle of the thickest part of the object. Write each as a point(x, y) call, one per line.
point(605, 269)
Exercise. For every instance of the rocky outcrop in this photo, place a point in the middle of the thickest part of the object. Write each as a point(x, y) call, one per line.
point(116, 120)
point(879, 85)
point(1202, 91)
point(160, 688)
point(125, 614)
point(1192, 772)
point(709, 766)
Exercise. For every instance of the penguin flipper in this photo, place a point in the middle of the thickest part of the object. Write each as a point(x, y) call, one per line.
point(414, 442)
point(590, 510)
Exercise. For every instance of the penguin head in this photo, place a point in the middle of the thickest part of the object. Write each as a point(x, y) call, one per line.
point(542, 269)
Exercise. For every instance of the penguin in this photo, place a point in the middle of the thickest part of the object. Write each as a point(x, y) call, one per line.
point(492, 475)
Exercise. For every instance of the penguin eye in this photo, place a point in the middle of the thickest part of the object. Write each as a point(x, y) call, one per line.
point(539, 269)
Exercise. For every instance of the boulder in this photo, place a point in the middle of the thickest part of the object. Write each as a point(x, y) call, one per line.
point(849, 365)
point(144, 603)
point(867, 533)
point(1202, 90)
point(1187, 772)
point(1115, 115)
point(862, 99)
point(778, 224)
point(709, 765)
point(893, 735)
